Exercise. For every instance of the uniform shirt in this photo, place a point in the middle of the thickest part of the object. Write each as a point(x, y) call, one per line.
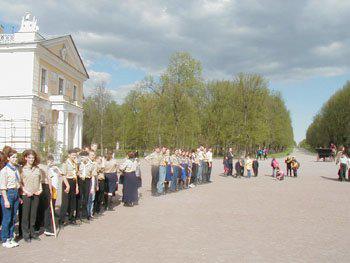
point(70, 169)
point(9, 179)
point(175, 160)
point(100, 171)
point(154, 158)
point(87, 170)
point(129, 165)
point(110, 166)
point(53, 173)
point(201, 156)
point(209, 157)
point(31, 179)
point(44, 174)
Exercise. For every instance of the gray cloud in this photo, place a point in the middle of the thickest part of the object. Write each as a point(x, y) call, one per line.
point(279, 39)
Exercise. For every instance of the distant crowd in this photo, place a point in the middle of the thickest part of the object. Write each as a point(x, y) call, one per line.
point(248, 167)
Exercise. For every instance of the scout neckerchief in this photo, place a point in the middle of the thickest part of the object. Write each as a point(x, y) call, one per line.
point(73, 165)
point(13, 169)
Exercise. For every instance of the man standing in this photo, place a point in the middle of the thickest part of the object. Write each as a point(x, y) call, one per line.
point(154, 159)
point(209, 156)
point(229, 158)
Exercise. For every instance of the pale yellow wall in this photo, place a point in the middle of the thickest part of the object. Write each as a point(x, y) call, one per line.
point(53, 84)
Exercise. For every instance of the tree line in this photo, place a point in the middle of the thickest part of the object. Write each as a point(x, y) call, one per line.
point(181, 109)
point(332, 123)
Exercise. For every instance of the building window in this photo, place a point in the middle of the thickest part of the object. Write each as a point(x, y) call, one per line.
point(43, 86)
point(74, 93)
point(60, 86)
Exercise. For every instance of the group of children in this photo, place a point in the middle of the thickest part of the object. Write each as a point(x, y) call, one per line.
point(292, 165)
point(243, 166)
point(29, 190)
point(179, 169)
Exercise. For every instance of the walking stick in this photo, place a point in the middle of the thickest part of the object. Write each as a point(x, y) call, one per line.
point(53, 218)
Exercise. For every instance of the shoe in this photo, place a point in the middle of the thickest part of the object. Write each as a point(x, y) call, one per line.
point(27, 240)
point(47, 233)
point(7, 244)
point(14, 243)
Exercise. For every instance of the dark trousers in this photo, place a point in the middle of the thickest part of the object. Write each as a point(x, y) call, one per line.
point(255, 171)
point(155, 178)
point(68, 201)
point(83, 197)
point(209, 171)
point(230, 168)
point(194, 172)
point(99, 196)
point(29, 211)
point(289, 170)
point(43, 218)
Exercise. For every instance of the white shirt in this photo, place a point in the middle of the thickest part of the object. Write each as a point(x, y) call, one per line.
point(209, 156)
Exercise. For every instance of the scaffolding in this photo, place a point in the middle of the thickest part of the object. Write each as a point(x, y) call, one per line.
point(16, 133)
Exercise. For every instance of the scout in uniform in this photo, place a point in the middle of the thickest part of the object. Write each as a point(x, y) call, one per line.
point(70, 188)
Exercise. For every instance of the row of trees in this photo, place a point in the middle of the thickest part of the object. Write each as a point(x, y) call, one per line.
point(332, 123)
point(182, 110)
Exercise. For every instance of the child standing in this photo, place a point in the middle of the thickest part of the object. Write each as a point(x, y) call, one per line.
point(255, 167)
point(295, 166)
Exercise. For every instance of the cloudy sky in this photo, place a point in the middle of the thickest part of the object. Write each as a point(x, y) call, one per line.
point(301, 47)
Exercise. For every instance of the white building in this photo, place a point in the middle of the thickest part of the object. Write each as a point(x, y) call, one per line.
point(41, 89)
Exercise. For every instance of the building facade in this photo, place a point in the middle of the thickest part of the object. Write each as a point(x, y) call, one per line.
point(41, 89)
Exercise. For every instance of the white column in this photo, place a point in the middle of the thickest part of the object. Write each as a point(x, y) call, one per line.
point(60, 131)
point(76, 131)
point(80, 130)
point(66, 130)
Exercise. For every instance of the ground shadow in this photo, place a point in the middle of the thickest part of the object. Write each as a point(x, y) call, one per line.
point(330, 178)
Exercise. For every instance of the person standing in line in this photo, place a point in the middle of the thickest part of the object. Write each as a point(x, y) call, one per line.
point(101, 186)
point(9, 187)
point(195, 164)
point(204, 164)
point(93, 186)
point(2, 165)
point(169, 175)
point(189, 169)
point(53, 172)
point(85, 175)
point(200, 165)
point(154, 159)
point(30, 175)
point(44, 209)
point(130, 183)
point(256, 167)
point(162, 171)
point(249, 166)
point(110, 166)
point(229, 158)
point(176, 169)
point(70, 189)
point(209, 155)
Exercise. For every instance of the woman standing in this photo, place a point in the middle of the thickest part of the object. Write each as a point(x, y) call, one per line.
point(32, 188)
point(130, 184)
point(110, 167)
point(9, 185)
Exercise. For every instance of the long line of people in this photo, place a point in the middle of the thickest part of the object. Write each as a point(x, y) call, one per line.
point(179, 169)
point(29, 190)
